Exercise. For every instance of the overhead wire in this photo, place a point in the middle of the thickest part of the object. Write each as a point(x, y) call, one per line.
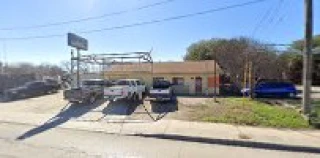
point(144, 22)
point(262, 20)
point(275, 14)
point(280, 18)
point(86, 19)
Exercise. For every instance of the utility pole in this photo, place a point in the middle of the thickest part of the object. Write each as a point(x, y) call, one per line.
point(307, 57)
point(245, 80)
point(250, 78)
point(215, 79)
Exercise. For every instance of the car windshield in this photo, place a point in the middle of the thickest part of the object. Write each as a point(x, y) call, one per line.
point(122, 83)
point(31, 84)
point(92, 83)
point(51, 81)
point(275, 85)
point(161, 84)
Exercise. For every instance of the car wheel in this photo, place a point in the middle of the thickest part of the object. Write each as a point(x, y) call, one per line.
point(74, 102)
point(92, 99)
point(9, 97)
point(291, 95)
point(135, 98)
point(255, 95)
point(21, 96)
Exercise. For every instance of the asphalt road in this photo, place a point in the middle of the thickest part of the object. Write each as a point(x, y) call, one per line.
point(59, 142)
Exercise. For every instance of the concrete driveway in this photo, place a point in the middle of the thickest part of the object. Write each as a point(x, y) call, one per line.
point(43, 115)
point(54, 105)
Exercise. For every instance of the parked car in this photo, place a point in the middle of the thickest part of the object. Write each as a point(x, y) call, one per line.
point(127, 89)
point(273, 88)
point(30, 89)
point(89, 92)
point(161, 91)
point(54, 83)
point(141, 86)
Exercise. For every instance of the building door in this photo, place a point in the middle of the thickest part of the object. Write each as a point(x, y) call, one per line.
point(198, 85)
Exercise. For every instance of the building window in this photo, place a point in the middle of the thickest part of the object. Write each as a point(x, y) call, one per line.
point(178, 81)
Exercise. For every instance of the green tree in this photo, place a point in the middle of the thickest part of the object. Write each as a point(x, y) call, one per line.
point(300, 43)
point(231, 55)
point(293, 60)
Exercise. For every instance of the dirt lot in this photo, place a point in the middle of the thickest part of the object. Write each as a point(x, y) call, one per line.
point(102, 111)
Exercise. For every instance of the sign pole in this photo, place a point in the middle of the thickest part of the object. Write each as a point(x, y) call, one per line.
point(80, 44)
point(72, 69)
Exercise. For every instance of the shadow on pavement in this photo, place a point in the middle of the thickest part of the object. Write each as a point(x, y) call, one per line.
point(69, 112)
point(236, 143)
point(163, 108)
point(4, 99)
point(120, 108)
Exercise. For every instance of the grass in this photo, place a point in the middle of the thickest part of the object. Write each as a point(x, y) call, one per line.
point(315, 115)
point(250, 112)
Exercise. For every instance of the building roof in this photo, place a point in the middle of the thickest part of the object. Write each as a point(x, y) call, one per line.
point(190, 67)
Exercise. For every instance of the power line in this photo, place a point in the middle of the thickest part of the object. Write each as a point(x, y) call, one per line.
point(262, 20)
point(86, 19)
point(281, 18)
point(276, 12)
point(145, 22)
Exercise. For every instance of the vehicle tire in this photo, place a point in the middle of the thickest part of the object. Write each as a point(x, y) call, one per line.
point(9, 97)
point(92, 99)
point(255, 95)
point(291, 95)
point(21, 96)
point(74, 102)
point(136, 98)
point(140, 99)
point(310, 122)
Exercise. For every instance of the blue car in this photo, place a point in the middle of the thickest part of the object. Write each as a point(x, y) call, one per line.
point(278, 89)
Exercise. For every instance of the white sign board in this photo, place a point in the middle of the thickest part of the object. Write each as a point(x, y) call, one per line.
point(77, 41)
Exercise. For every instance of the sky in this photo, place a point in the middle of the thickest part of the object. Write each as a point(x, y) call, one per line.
point(271, 21)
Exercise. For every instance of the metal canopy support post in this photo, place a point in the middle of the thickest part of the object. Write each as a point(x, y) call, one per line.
point(78, 68)
point(112, 58)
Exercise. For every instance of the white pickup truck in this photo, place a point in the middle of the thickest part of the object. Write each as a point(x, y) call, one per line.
point(128, 89)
